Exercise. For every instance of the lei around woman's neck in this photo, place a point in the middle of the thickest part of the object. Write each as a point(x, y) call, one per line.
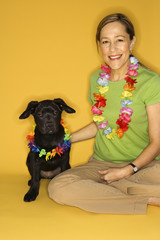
point(126, 96)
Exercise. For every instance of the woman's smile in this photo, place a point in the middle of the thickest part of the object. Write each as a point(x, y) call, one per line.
point(115, 57)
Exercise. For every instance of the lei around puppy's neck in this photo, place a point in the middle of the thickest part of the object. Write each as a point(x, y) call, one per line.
point(60, 149)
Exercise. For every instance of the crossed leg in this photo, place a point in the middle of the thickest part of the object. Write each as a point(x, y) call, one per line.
point(81, 187)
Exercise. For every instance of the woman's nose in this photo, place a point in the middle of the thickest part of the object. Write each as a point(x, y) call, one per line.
point(112, 47)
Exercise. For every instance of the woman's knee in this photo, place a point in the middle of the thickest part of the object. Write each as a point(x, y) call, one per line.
point(59, 188)
point(54, 191)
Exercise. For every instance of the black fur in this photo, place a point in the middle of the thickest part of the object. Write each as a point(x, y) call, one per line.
point(48, 134)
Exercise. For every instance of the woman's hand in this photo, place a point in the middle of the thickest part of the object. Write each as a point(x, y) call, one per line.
point(114, 174)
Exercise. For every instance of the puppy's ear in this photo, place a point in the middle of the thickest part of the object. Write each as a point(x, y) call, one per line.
point(29, 110)
point(63, 106)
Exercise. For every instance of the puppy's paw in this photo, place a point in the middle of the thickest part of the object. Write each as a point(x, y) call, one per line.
point(31, 195)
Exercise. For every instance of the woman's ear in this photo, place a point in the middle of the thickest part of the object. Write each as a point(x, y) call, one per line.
point(132, 43)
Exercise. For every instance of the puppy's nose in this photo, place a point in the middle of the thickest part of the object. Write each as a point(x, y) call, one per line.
point(49, 119)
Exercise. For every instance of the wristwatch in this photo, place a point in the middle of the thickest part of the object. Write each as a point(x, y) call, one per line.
point(135, 169)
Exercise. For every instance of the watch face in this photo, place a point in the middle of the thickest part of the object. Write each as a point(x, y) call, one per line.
point(135, 169)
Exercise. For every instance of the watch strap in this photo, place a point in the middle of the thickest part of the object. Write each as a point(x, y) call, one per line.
point(135, 169)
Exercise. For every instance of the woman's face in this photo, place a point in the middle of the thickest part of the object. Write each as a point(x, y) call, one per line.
point(116, 45)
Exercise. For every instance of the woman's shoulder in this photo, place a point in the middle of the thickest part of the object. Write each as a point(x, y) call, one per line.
point(95, 75)
point(149, 83)
point(148, 75)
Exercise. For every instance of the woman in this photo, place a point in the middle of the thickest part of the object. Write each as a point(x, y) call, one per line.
point(122, 176)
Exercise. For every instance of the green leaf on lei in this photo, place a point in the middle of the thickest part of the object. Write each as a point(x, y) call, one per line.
point(42, 152)
point(67, 137)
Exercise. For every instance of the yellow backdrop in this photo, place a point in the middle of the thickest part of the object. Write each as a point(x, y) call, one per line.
point(48, 50)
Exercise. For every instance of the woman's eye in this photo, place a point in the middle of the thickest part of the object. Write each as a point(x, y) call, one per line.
point(105, 42)
point(120, 40)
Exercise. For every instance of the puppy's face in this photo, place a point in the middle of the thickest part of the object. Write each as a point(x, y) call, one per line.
point(47, 117)
point(47, 114)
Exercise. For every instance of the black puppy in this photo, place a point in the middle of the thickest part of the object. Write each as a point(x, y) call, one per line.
point(50, 147)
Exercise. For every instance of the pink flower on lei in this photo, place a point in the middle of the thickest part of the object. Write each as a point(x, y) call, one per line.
point(105, 69)
point(133, 66)
point(97, 111)
point(104, 75)
point(125, 117)
point(103, 125)
point(127, 110)
point(132, 73)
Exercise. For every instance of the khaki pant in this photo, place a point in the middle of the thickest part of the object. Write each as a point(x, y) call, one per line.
point(81, 187)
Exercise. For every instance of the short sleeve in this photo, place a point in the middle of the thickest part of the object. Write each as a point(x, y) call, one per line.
point(89, 95)
point(93, 86)
point(152, 93)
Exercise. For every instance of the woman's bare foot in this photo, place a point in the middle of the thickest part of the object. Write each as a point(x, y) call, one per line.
point(154, 201)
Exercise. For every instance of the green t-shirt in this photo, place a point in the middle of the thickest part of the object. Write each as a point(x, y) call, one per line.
point(136, 138)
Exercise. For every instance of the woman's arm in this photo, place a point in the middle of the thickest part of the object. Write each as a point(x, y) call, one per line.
point(153, 149)
point(85, 133)
point(149, 153)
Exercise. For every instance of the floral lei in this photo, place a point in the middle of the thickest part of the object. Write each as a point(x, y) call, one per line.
point(60, 149)
point(126, 111)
